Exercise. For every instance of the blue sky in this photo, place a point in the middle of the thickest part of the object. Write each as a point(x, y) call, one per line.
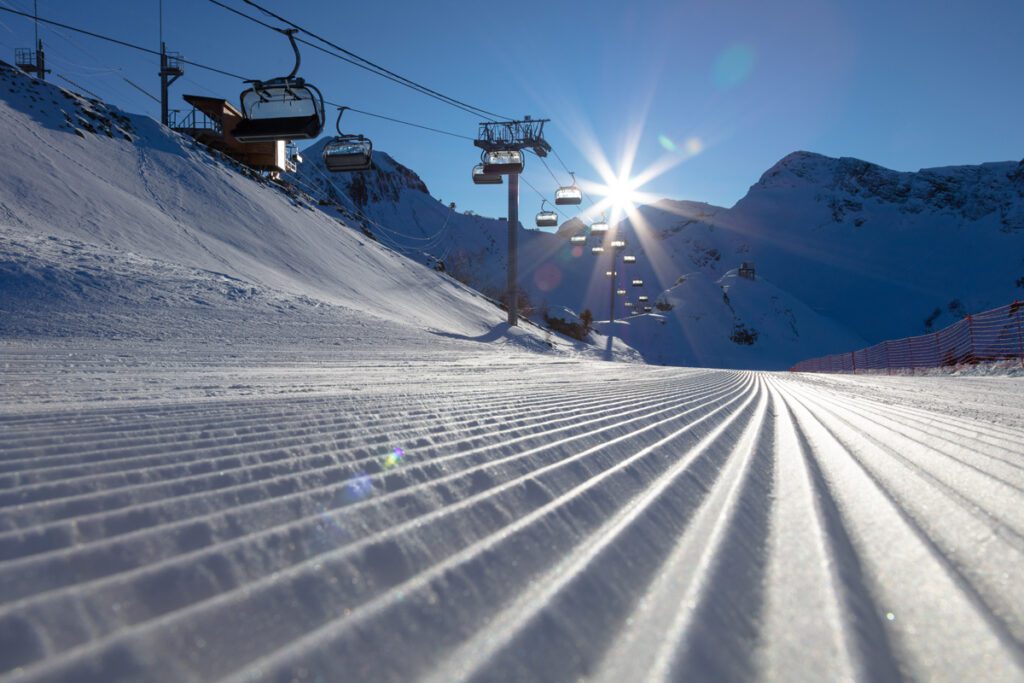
point(714, 90)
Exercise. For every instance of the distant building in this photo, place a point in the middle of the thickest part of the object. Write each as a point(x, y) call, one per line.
point(747, 270)
point(211, 121)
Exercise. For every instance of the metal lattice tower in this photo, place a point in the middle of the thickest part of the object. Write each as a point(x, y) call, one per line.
point(527, 133)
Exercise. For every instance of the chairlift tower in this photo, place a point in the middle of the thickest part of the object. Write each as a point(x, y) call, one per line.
point(32, 61)
point(503, 143)
point(172, 66)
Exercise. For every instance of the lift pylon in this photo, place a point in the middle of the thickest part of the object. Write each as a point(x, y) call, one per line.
point(511, 138)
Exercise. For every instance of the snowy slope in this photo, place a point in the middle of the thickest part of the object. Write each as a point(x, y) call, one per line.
point(113, 225)
point(178, 513)
point(730, 322)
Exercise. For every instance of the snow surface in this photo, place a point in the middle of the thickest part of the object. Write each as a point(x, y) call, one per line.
point(241, 441)
point(176, 512)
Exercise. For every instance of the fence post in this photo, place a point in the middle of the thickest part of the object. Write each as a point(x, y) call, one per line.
point(1017, 305)
point(853, 359)
point(970, 337)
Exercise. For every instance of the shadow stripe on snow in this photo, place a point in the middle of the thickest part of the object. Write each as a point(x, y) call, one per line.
point(568, 469)
point(87, 527)
point(78, 503)
point(933, 609)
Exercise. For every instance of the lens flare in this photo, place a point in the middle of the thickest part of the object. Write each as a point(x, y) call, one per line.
point(733, 66)
point(666, 142)
point(393, 459)
point(359, 487)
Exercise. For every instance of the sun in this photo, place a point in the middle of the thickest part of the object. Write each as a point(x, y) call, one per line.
point(622, 195)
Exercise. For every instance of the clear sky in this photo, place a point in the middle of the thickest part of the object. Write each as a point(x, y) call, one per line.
point(714, 91)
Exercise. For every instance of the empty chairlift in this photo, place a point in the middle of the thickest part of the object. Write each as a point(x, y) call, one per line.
point(648, 309)
point(643, 298)
point(481, 178)
point(599, 228)
point(570, 194)
point(546, 219)
point(597, 250)
point(638, 283)
point(578, 239)
point(620, 292)
point(283, 108)
point(348, 152)
point(503, 161)
point(628, 258)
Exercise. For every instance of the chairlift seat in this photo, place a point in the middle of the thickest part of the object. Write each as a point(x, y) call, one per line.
point(481, 178)
point(348, 153)
point(629, 259)
point(643, 297)
point(503, 161)
point(570, 195)
point(578, 239)
point(638, 283)
point(546, 219)
point(280, 109)
point(599, 228)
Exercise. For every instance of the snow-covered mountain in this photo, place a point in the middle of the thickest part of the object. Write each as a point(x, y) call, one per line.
point(852, 253)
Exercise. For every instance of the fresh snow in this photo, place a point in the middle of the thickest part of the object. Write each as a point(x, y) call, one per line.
point(240, 440)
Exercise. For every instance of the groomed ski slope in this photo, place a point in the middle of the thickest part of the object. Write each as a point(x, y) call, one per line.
point(176, 514)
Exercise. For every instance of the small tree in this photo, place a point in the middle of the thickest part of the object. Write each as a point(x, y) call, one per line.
point(587, 318)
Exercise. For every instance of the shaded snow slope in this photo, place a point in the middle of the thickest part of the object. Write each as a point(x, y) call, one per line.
point(732, 322)
point(399, 512)
point(884, 253)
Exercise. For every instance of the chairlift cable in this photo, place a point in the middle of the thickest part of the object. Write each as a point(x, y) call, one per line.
point(120, 42)
point(362, 62)
point(338, 56)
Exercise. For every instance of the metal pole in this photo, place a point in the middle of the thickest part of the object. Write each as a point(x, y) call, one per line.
point(513, 249)
point(163, 84)
point(611, 297)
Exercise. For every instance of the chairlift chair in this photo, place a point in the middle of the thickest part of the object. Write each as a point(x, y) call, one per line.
point(643, 298)
point(283, 108)
point(578, 239)
point(629, 259)
point(503, 161)
point(638, 283)
point(599, 228)
point(597, 250)
point(628, 304)
point(620, 292)
point(570, 194)
point(648, 309)
point(546, 219)
point(618, 245)
point(481, 178)
point(348, 152)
